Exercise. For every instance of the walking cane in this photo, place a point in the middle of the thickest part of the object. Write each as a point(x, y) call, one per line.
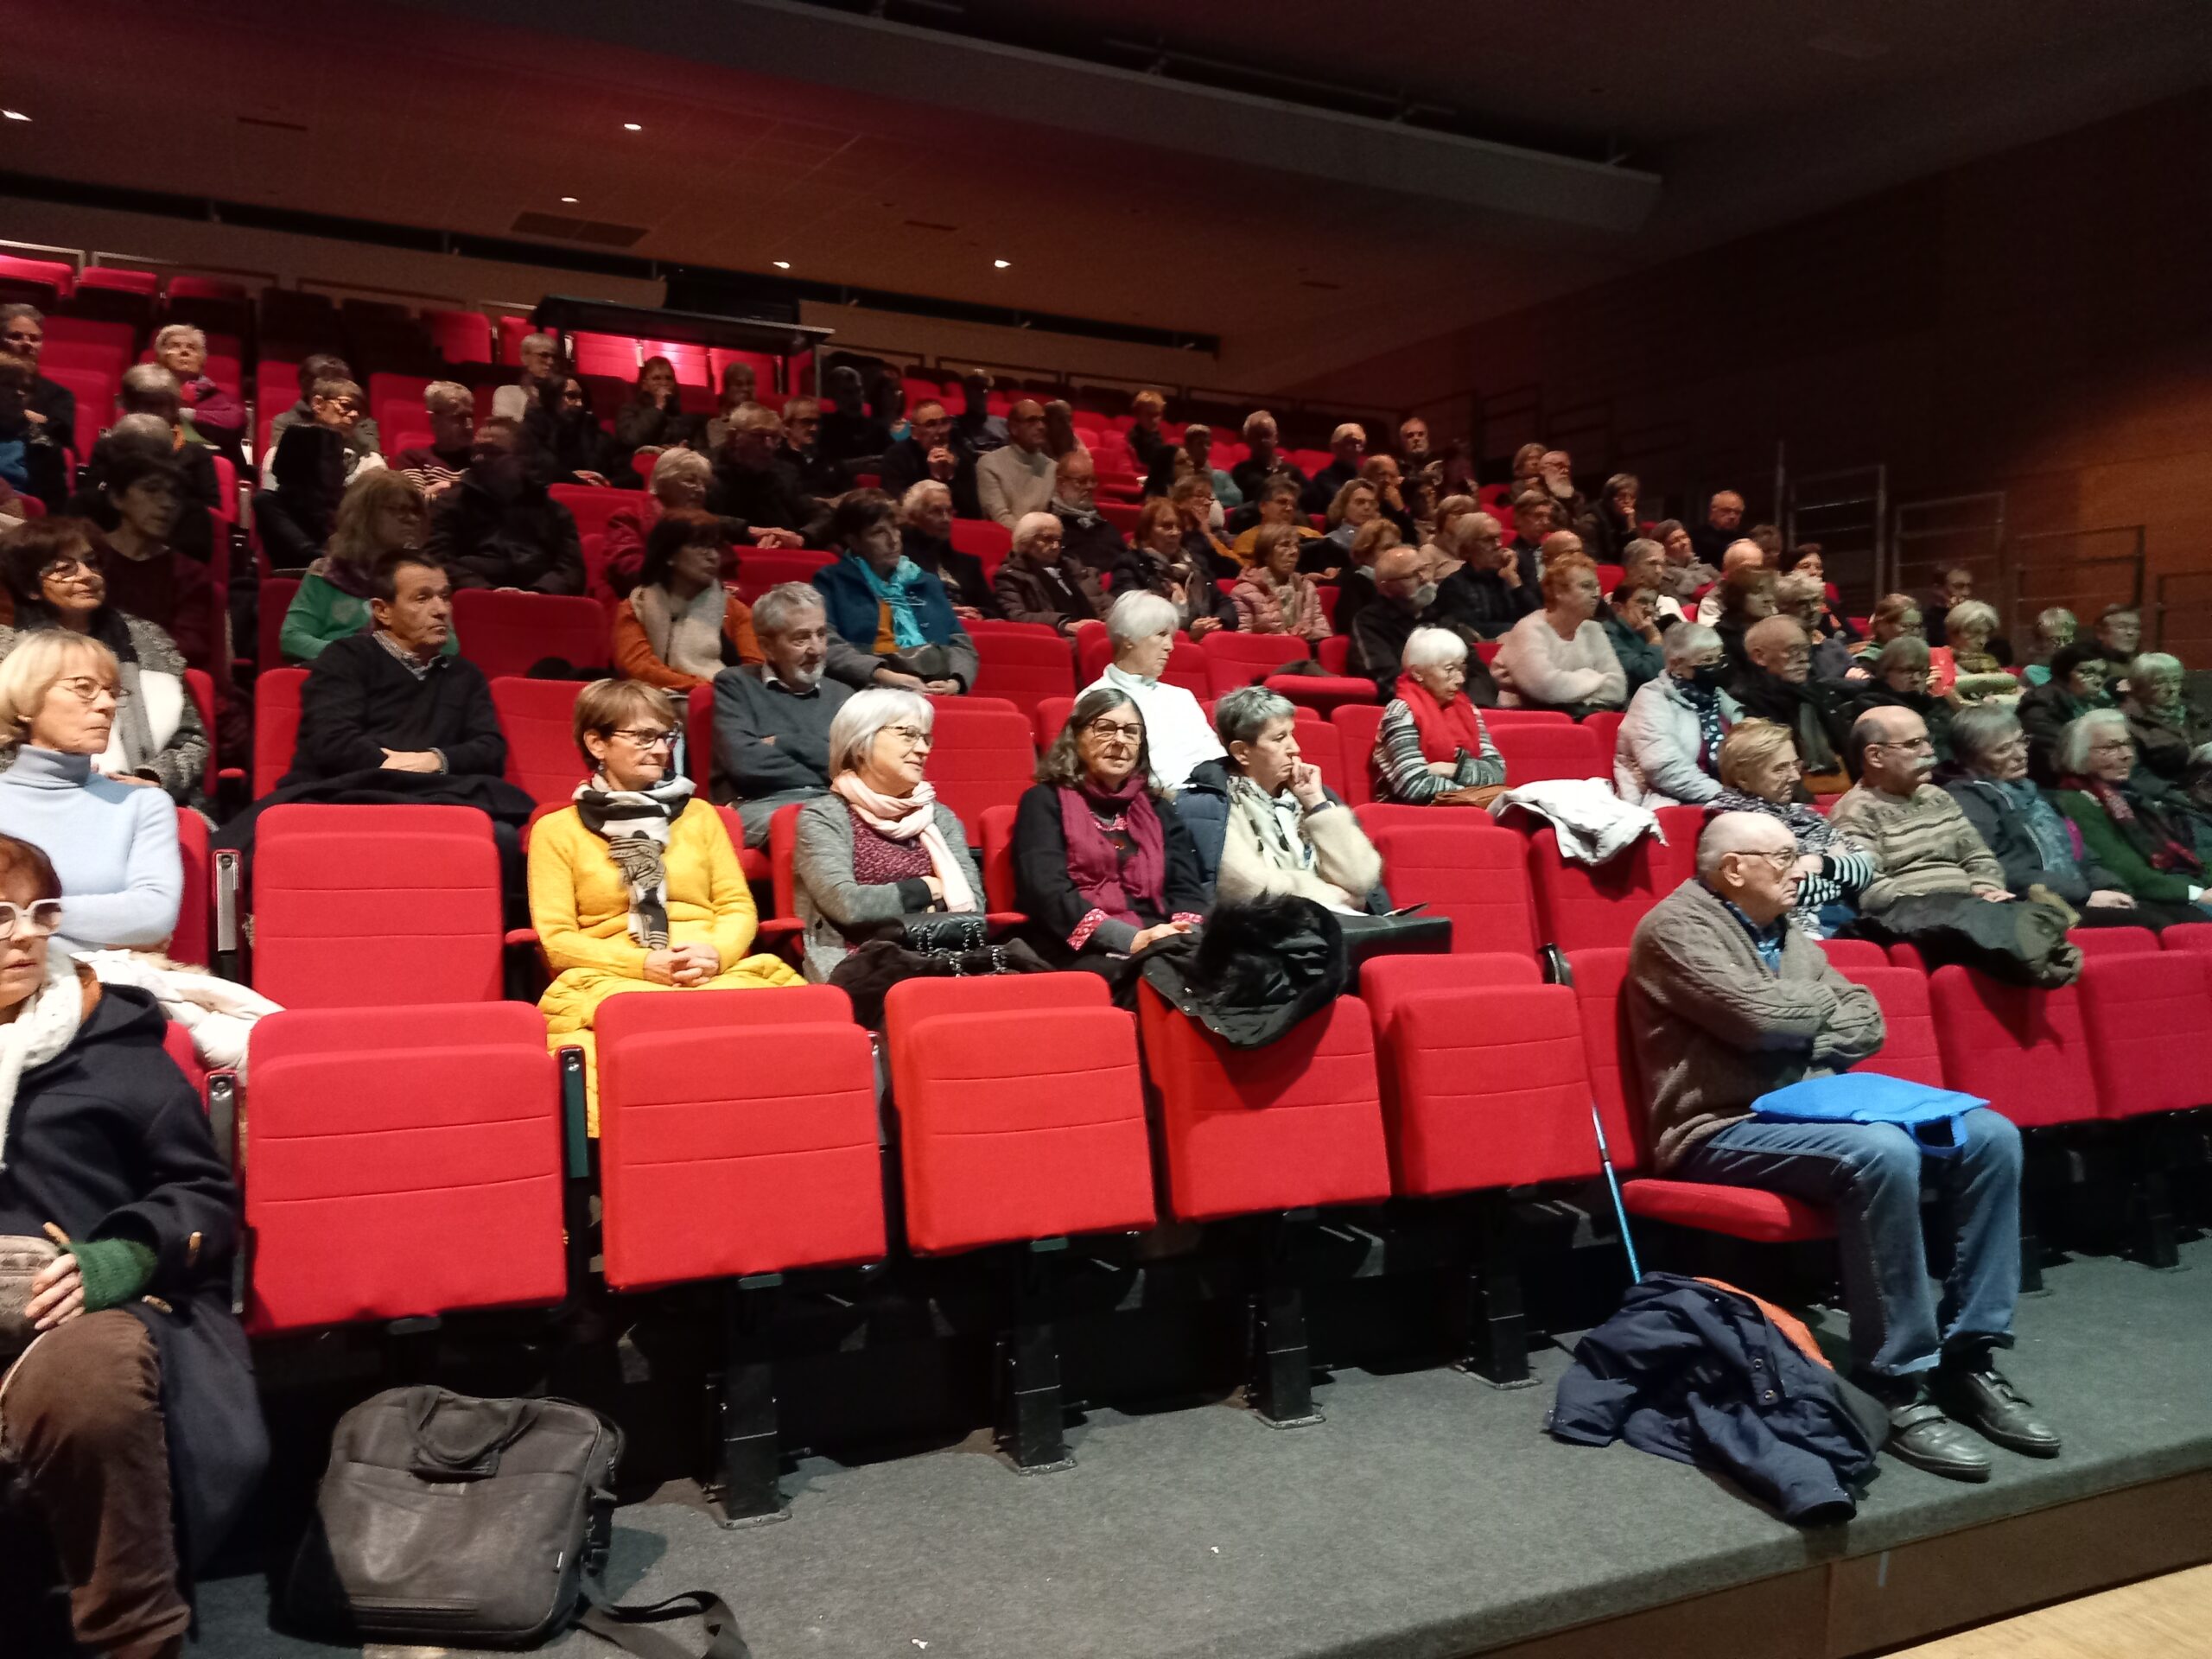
point(1613, 1185)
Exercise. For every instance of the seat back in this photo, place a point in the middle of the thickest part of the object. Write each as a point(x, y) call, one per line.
point(1297, 1122)
point(1847, 955)
point(1580, 905)
point(1601, 994)
point(380, 1135)
point(2113, 941)
point(981, 756)
point(1186, 662)
point(2022, 1050)
point(276, 724)
point(277, 594)
point(1358, 725)
point(1474, 874)
point(1025, 669)
point(996, 857)
point(985, 538)
point(761, 569)
point(2149, 1021)
point(358, 906)
point(1319, 743)
point(1910, 1047)
point(1235, 658)
point(1534, 752)
point(1003, 1137)
point(508, 633)
point(538, 718)
point(737, 1135)
point(2188, 936)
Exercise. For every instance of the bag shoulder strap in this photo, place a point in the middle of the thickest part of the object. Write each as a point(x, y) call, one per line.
point(615, 1623)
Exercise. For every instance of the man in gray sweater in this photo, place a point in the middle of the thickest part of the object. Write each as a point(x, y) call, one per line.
point(1728, 1002)
point(771, 723)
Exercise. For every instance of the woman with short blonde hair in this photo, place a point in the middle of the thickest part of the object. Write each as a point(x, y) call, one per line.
point(1760, 773)
point(1560, 657)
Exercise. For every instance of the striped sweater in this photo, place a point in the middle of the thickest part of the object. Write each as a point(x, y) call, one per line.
point(1922, 843)
point(1401, 771)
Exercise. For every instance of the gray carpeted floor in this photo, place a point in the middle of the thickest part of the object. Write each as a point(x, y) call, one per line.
point(1429, 1516)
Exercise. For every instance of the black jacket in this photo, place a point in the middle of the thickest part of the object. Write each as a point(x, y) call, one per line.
point(1251, 475)
point(1143, 571)
point(2045, 711)
point(359, 700)
point(1804, 709)
point(849, 437)
point(1480, 600)
point(193, 534)
point(45, 468)
point(1045, 892)
point(961, 572)
point(1379, 633)
point(906, 464)
point(1255, 971)
point(639, 425)
point(108, 1141)
point(1696, 1372)
point(770, 499)
point(1321, 489)
point(529, 541)
point(2004, 825)
point(1091, 540)
point(58, 404)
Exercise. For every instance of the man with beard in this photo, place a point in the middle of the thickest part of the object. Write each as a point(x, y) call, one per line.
point(772, 718)
point(498, 527)
point(1403, 598)
point(1777, 685)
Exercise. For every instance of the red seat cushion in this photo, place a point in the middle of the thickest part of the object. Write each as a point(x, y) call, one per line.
point(2149, 1021)
point(538, 719)
point(511, 633)
point(2113, 941)
point(2022, 1050)
point(1747, 1212)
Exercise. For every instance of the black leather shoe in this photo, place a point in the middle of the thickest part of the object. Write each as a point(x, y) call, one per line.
point(1979, 1397)
point(1922, 1435)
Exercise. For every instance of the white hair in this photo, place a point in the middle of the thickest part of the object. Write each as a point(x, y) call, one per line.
point(861, 721)
point(1347, 432)
point(1254, 419)
point(448, 394)
point(546, 341)
point(1138, 615)
point(1030, 526)
point(917, 498)
point(2152, 661)
point(1685, 639)
point(2072, 755)
point(782, 604)
point(1469, 525)
point(176, 331)
point(1432, 648)
point(671, 465)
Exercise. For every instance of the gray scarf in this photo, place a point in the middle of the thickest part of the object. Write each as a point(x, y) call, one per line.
point(690, 640)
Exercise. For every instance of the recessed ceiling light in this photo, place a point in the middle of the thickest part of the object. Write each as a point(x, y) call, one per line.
point(632, 126)
point(1000, 265)
point(571, 200)
point(781, 264)
point(14, 115)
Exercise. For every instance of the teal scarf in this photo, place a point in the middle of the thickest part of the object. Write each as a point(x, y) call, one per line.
point(898, 592)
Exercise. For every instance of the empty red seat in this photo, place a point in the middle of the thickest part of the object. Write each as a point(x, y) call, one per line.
point(1581, 906)
point(365, 906)
point(1003, 1137)
point(380, 1138)
point(276, 724)
point(1473, 872)
point(985, 538)
point(57, 275)
point(1605, 726)
point(2113, 941)
point(994, 857)
point(1023, 669)
point(2149, 1022)
point(1485, 1081)
point(1535, 753)
point(1910, 1047)
point(538, 718)
point(591, 507)
point(119, 278)
point(1295, 1123)
point(761, 569)
point(2188, 936)
point(196, 907)
point(1234, 658)
point(1358, 725)
point(609, 354)
point(510, 633)
point(737, 1135)
point(94, 389)
point(980, 756)
point(2022, 1050)
point(460, 336)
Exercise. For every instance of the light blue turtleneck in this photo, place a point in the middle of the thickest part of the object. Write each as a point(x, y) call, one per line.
point(113, 845)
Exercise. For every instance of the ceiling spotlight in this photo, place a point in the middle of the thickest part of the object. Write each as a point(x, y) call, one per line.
point(571, 200)
point(632, 126)
point(781, 264)
point(1000, 265)
point(14, 115)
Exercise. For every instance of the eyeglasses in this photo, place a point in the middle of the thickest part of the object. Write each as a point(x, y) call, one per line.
point(2119, 746)
point(68, 565)
point(1131, 731)
point(1917, 746)
point(84, 687)
point(913, 736)
point(1780, 858)
point(43, 917)
point(639, 737)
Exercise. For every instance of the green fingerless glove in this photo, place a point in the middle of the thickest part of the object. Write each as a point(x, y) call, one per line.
point(115, 1270)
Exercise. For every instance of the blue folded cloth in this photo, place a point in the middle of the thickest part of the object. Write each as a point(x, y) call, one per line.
point(1932, 1116)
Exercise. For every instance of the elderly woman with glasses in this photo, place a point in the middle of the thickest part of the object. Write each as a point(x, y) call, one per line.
point(1433, 748)
point(1760, 773)
point(1264, 823)
point(879, 847)
point(635, 887)
point(2149, 848)
point(1101, 867)
point(210, 414)
point(1669, 750)
point(2171, 734)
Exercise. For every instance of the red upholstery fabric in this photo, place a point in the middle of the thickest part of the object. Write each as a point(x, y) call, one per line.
point(1910, 1046)
point(1551, 718)
point(1297, 1122)
point(1377, 814)
point(538, 717)
point(402, 1161)
point(759, 568)
point(1003, 1136)
point(998, 857)
point(1023, 669)
point(119, 277)
point(1605, 726)
point(1747, 1212)
point(460, 336)
point(1321, 693)
point(1474, 875)
point(95, 390)
point(987, 539)
point(2024, 1050)
point(737, 1135)
point(276, 724)
point(2189, 936)
point(699, 739)
point(1580, 907)
point(1358, 727)
point(508, 633)
point(1534, 752)
point(1187, 663)
point(1235, 658)
point(1845, 955)
point(367, 905)
point(980, 756)
point(190, 942)
point(2113, 941)
point(1319, 742)
point(2150, 1028)
point(58, 274)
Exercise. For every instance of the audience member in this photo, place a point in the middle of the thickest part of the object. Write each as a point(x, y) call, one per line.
point(1970, 628)
point(1277, 504)
point(1798, 596)
point(772, 720)
point(1669, 750)
point(1085, 535)
point(680, 627)
point(927, 452)
point(880, 848)
point(635, 886)
point(1017, 478)
point(1440, 547)
point(1348, 443)
point(1194, 457)
point(1611, 522)
point(147, 428)
point(134, 1427)
point(146, 576)
point(2120, 636)
point(755, 484)
point(1484, 594)
point(653, 416)
point(2079, 674)
point(1433, 748)
point(1175, 564)
point(1380, 472)
point(382, 513)
point(113, 845)
point(31, 459)
point(818, 476)
point(1146, 442)
point(1178, 736)
point(1894, 616)
point(51, 405)
point(304, 474)
point(1413, 452)
point(2122, 826)
point(1404, 600)
point(1632, 629)
point(1103, 868)
point(884, 602)
point(976, 430)
point(1192, 499)
point(1643, 564)
point(212, 415)
point(1739, 557)
point(1686, 574)
point(1809, 559)
point(2171, 733)
point(1726, 1003)
point(498, 527)
point(925, 536)
point(1559, 656)
point(1061, 438)
point(1038, 584)
point(1760, 773)
point(1263, 823)
point(1535, 516)
point(362, 437)
point(1272, 596)
point(850, 433)
point(737, 391)
point(2026, 834)
point(1356, 581)
point(436, 466)
point(1265, 462)
point(540, 370)
point(1355, 506)
point(1938, 884)
point(1900, 680)
point(155, 735)
point(1723, 518)
point(577, 446)
point(2055, 630)
point(1776, 684)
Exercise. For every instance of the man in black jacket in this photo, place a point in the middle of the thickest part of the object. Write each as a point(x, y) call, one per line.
point(1485, 594)
point(754, 483)
point(926, 451)
point(1251, 475)
point(1086, 534)
point(1404, 600)
point(53, 406)
point(926, 534)
point(1776, 684)
point(1349, 441)
point(498, 527)
point(850, 431)
point(818, 476)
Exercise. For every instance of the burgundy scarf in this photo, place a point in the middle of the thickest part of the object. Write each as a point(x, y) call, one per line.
point(2162, 848)
point(1100, 876)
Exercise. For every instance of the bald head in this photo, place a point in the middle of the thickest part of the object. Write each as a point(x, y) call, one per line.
point(1890, 747)
point(1742, 556)
point(1780, 647)
point(1397, 564)
point(1750, 860)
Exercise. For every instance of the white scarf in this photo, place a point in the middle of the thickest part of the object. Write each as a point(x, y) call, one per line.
point(47, 1025)
point(690, 640)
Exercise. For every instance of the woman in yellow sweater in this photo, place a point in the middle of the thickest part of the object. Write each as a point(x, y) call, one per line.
point(636, 886)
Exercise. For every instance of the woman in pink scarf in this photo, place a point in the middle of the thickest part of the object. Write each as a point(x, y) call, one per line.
point(878, 847)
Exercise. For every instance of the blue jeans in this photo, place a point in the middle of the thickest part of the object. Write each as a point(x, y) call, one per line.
point(1872, 1174)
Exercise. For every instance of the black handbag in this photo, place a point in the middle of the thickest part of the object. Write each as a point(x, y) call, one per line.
point(443, 1519)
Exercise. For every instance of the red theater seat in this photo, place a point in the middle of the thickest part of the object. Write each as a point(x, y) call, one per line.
point(368, 905)
point(1484, 1080)
point(1910, 1046)
point(1537, 751)
point(1474, 873)
point(195, 908)
point(1581, 907)
point(980, 756)
point(737, 1135)
point(1187, 663)
point(1846, 956)
point(510, 633)
point(1357, 728)
point(276, 724)
point(1026, 669)
point(1295, 1123)
point(276, 596)
point(538, 719)
point(460, 336)
point(761, 569)
point(380, 1138)
point(995, 858)
point(591, 507)
point(2113, 941)
point(987, 539)
point(2149, 1021)
point(2189, 936)
point(1005, 1138)
point(2022, 1050)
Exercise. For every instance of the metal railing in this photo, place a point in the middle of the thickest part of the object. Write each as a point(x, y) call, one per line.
point(2181, 619)
point(1845, 510)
